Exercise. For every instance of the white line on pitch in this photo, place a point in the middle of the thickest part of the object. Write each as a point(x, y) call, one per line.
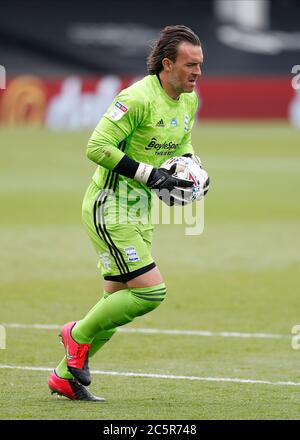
point(160, 331)
point(163, 376)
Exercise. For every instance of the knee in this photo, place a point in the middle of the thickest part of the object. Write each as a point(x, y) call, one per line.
point(151, 296)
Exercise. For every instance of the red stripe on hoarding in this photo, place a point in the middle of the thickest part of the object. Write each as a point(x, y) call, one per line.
point(27, 99)
point(245, 98)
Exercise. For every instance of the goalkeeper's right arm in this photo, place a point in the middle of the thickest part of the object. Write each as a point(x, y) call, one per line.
point(112, 158)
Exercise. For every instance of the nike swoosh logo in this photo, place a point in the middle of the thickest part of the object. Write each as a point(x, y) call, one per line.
point(68, 353)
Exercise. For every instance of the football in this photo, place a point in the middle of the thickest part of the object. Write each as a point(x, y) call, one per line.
point(188, 168)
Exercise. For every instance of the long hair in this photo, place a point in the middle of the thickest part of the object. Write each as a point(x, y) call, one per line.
point(167, 45)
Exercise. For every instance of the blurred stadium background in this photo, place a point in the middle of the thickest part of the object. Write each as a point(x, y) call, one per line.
point(235, 288)
point(64, 62)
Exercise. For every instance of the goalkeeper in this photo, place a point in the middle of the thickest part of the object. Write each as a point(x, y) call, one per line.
point(146, 124)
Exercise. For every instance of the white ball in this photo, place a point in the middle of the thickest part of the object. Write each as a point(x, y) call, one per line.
point(189, 169)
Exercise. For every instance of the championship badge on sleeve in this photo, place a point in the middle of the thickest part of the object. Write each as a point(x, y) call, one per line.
point(118, 111)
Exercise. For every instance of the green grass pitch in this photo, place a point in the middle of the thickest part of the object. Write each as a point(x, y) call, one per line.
point(241, 275)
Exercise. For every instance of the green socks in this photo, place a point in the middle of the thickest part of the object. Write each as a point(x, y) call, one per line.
point(118, 309)
point(113, 310)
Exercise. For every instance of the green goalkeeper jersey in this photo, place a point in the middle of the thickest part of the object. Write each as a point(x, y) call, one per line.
point(147, 125)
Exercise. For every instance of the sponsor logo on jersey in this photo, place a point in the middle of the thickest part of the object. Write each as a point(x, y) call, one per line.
point(131, 253)
point(118, 111)
point(160, 123)
point(186, 123)
point(165, 148)
point(174, 122)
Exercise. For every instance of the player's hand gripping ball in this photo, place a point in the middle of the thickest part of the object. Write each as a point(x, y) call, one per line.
point(188, 168)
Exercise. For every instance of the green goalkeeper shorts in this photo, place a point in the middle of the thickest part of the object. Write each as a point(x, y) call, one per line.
point(123, 247)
